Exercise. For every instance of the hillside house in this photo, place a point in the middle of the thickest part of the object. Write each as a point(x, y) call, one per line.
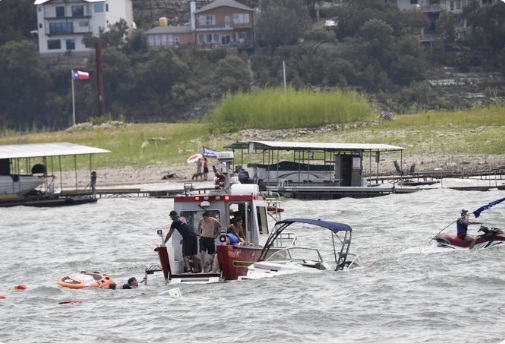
point(433, 8)
point(222, 23)
point(62, 24)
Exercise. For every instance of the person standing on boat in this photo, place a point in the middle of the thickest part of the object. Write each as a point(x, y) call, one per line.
point(189, 240)
point(207, 230)
point(462, 227)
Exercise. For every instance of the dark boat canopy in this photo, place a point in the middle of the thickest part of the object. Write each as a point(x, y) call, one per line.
point(332, 226)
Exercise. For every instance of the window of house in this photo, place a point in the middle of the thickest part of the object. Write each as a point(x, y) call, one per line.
point(216, 38)
point(177, 41)
point(84, 23)
point(170, 40)
point(164, 40)
point(208, 38)
point(70, 43)
point(150, 40)
point(201, 38)
point(55, 28)
point(77, 11)
point(98, 8)
point(458, 4)
point(227, 21)
point(53, 44)
point(107, 7)
point(60, 11)
point(157, 40)
point(451, 5)
point(241, 18)
point(414, 2)
point(207, 20)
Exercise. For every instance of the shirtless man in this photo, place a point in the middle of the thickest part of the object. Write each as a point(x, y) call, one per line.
point(206, 228)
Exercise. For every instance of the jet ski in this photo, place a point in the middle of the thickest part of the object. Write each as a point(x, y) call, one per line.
point(490, 237)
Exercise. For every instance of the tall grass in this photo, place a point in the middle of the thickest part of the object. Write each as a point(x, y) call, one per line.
point(286, 109)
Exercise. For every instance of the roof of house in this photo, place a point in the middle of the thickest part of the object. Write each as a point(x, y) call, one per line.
point(41, 2)
point(222, 3)
point(169, 29)
point(38, 150)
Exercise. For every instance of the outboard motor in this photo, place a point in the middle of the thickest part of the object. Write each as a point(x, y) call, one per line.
point(243, 177)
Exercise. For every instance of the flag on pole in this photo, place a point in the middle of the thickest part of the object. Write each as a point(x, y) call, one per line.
point(209, 153)
point(80, 75)
point(487, 206)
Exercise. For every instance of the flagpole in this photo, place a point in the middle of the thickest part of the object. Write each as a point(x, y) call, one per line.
point(73, 97)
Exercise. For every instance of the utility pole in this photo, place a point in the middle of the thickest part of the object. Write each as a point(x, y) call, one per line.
point(99, 78)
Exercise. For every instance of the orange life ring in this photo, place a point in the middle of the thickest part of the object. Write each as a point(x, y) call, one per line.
point(85, 279)
point(275, 209)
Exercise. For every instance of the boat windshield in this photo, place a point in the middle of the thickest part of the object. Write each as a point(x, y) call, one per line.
point(297, 254)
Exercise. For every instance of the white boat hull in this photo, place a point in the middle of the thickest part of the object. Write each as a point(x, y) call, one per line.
point(19, 184)
point(265, 269)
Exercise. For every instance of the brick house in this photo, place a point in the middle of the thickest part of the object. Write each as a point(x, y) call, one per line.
point(222, 23)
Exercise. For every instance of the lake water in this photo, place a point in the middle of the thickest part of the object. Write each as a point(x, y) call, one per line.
point(408, 293)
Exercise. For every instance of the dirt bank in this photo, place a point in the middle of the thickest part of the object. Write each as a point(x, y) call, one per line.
point(183, 173)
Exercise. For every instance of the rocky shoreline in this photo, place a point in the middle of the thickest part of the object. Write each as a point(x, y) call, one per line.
point(182, 173)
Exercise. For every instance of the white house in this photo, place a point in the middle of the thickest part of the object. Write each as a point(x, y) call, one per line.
point(61, 24)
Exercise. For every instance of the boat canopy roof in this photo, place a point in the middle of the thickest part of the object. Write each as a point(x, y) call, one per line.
point(36, 150)
point(332, 226)
point(324, 146)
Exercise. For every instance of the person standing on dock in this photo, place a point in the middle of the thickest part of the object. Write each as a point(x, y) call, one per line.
point(199, 167)
point(462, 227)
point(207, 229)
point(205, 169)
point(189, 240)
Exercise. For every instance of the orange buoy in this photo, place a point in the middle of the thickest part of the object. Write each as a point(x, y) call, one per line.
point(2, 297)
point(275, 209)
point(20, 287)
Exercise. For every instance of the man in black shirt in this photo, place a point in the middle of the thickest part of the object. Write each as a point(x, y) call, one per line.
point(189, 240)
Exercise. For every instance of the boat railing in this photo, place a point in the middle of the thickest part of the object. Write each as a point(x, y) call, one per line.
point(301, 254)
point(285, 239)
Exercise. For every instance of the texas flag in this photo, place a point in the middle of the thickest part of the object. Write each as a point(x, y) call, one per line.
point(79, 75)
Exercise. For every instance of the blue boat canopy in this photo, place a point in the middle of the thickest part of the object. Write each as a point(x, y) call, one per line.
point(332, 226)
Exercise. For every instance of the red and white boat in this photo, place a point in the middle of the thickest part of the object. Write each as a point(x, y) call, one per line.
point(229, 199)
point(490, 237)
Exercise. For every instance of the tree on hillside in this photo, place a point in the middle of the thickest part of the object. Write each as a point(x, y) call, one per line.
point(354, 13)
point(487, 27)
point(232, 74)
point(17, 19)
point(311, 7)
point(23, 85)
point(281, 22)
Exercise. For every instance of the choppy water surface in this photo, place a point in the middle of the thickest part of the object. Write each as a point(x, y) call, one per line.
point(408, 294)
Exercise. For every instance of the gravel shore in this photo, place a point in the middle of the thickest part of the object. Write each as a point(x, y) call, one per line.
point(183, 173)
